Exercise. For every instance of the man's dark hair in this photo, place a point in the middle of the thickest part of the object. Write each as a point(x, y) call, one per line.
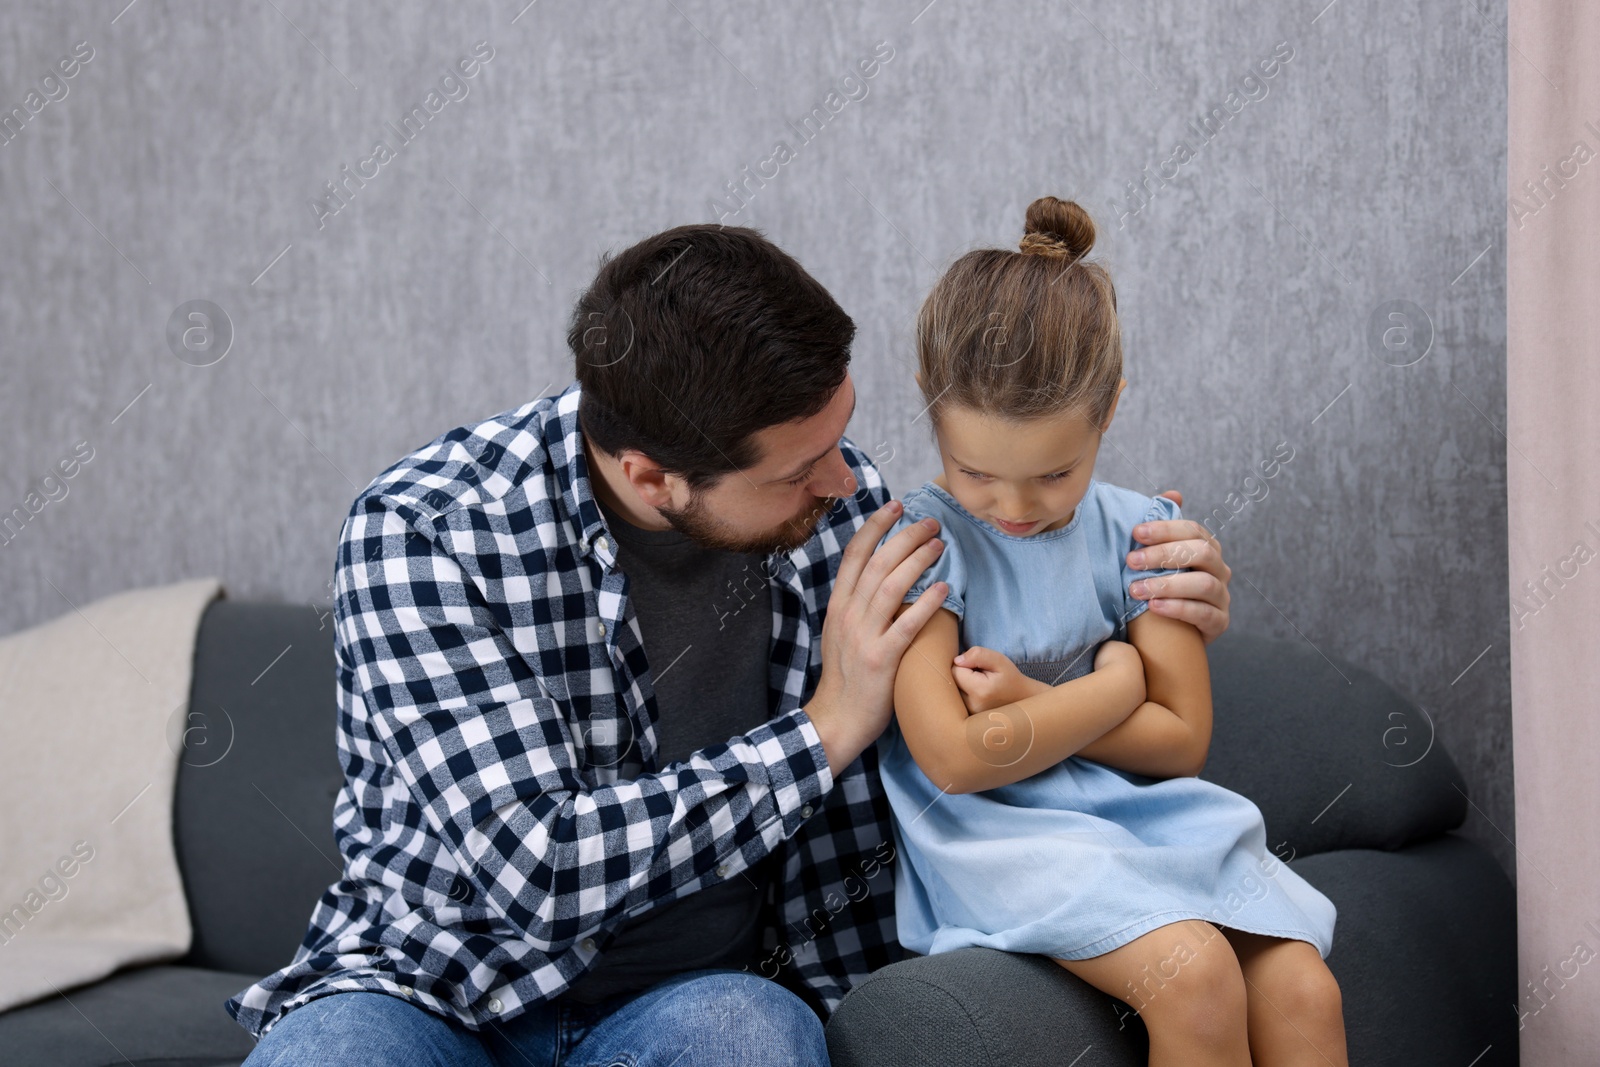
point(693, 340)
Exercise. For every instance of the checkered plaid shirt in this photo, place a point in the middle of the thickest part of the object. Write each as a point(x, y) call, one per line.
point(503, 812)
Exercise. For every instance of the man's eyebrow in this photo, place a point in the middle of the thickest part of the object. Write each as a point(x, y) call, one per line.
point(798, 471)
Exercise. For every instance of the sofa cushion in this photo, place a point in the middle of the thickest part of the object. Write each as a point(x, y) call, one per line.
point(253, 819)
point(1332, 755)
point(1424, 951)
point(89, 879)
point(149, 1017)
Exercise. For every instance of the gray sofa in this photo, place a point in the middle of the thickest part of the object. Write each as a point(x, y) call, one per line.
point(1425, 947)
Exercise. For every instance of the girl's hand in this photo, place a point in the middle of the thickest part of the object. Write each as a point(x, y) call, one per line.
point(1121, 657)
point(988, 679)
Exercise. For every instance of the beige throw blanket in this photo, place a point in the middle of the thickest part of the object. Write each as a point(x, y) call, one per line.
point(88, 760)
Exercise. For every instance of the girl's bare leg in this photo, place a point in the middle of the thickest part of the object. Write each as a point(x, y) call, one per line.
point(1186, 984)
point(1296, 1014)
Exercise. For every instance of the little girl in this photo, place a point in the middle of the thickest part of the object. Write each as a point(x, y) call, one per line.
point(1043, 781)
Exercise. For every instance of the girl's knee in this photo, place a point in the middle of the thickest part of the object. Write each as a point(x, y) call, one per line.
point(1310, 993)
point(1201, 992)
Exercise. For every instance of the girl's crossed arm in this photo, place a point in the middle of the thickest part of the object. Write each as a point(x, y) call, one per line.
point(1169, 735)
point(965, 753)
point(1166, 736)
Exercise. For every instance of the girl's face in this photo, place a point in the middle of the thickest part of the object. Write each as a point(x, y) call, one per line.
point(1022, 478)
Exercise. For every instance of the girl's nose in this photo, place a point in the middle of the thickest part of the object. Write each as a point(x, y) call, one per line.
point(1012, 507)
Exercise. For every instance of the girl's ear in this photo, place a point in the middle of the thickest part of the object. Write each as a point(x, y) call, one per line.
point(918, 376)
point(1123, 384)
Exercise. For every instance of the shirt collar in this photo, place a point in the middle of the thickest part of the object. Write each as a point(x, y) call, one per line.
point(563, 443)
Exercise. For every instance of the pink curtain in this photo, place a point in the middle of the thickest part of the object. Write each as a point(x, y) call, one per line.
point(1553, 484)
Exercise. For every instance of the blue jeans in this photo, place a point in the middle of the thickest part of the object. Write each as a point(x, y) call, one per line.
point(714, 1017)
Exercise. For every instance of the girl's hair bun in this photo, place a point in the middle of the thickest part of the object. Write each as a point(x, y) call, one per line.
point(1057, 228)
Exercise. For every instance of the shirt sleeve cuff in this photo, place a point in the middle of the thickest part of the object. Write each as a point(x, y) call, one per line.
point(802, 777)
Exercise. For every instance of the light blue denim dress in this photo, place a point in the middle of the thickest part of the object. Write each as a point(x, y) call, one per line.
point(1080, 858)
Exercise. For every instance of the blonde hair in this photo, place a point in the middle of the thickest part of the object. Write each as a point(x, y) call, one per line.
point(1025, 334)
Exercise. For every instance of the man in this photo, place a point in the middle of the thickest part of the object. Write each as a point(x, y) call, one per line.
point(610, 669)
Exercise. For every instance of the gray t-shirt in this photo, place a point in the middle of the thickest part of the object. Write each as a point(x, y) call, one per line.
point(706, 618)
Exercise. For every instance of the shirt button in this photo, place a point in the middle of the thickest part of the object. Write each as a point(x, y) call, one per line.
point(406, 990)
point(805, 812)
point(603, 544)
point(602, 628)
point(494, 1005)
point(722, 870)
point(588, 944)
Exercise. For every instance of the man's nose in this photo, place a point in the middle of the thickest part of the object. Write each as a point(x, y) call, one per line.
point(834, 477)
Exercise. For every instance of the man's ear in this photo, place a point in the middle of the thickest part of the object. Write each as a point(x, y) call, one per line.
point(1123, 384)
point(647, 479)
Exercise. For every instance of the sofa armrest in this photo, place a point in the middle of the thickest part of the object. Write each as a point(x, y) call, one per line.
point(980, 1007)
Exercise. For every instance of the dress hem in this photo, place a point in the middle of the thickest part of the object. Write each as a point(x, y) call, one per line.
point(1154, 922)
point(1136, 930)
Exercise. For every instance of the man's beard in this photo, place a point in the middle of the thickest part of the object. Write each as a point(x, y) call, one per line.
point(698, 524)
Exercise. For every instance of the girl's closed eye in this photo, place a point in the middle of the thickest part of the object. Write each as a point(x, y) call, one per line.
point(1057, 476)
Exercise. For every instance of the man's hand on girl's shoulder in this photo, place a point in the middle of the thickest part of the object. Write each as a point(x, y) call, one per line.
point(1198, 596)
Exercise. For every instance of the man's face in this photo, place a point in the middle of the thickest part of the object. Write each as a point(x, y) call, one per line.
point(800, 474)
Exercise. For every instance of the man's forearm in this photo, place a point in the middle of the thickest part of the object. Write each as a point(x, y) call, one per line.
point(842, 743)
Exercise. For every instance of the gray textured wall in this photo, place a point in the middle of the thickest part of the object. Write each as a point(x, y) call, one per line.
point(185, 158)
